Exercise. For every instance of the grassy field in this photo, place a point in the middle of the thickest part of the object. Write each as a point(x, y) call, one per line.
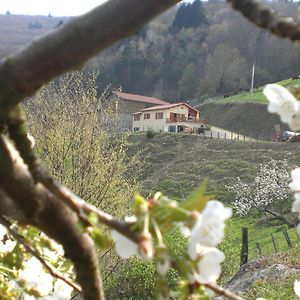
point(247, 97)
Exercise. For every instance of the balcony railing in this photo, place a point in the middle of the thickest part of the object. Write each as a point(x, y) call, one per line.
point(186, 120)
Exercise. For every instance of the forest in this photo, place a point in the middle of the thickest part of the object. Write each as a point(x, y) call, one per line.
point(198, 50)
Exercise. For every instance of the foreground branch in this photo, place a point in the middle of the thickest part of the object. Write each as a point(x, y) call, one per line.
point(41, 208)
point(71, 46)
point(54, 272)
point(264, 17)
point(222, 292)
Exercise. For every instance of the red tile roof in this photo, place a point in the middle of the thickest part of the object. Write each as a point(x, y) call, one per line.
point(139, 98)
point(158, 107)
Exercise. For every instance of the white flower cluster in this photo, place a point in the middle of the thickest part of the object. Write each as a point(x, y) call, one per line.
point(295, 186)
point(207, 233)
point(6, 245)
point(282, 102)
point(270, 184)
point(43, 284)
point(33, 276)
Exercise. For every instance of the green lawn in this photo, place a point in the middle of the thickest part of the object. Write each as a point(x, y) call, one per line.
point(257, 95)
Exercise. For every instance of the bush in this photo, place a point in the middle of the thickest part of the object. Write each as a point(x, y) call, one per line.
point(151, 134)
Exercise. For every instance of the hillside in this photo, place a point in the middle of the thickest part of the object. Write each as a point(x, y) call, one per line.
point(18, 30)
point(245, 113)
point(178, 163)
point(250, 119)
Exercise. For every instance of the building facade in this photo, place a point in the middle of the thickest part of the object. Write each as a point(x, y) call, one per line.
point(177, 117)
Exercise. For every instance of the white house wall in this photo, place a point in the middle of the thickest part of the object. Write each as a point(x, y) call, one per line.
point(158, 124)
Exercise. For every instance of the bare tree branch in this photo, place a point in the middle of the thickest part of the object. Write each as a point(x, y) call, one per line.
point(267, 18)
point(71, 46)
point(53, 271)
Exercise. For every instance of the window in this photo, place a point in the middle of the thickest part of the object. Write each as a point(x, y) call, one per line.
point(172, 128)
point(159, 115)
point(146, 116)
point(136, 117)
point(136, 129)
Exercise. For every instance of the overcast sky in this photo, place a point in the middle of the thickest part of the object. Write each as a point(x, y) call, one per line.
point(44, 7)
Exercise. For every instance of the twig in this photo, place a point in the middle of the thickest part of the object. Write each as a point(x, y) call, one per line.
point(267, 18)
point(222, 292)
point(81, 207)
point(54, 272)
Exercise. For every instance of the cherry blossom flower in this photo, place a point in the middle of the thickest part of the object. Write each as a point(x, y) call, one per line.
point(124, 246)
point(282, 102)
point(209, 228)
point(296, 203)
point(210, 264)
point(62, 291)
point(7, 246)
point(35, 278)
point(3, 232)
point(297, 288)
point(295, 184)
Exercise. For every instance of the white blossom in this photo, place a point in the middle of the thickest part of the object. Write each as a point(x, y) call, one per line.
point(208, 266)
point(124, 246)
point(270, 184)
point(35, 278)
point(7, 246)
point(209, 228)
point(282, 102)
point(62, 291)
point(297, 288)
point(3, 232)
point(296, 203)
point(295, 184)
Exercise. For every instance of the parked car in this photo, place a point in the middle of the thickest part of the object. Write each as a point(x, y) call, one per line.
point(291, 136)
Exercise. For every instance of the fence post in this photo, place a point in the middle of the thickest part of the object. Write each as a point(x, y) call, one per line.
point(298, 237)
point(211, 135)
point(287, 238)
point(274, 243)
point(238, 137)
point(244, 138)
point(218, 134)
point(244, 250)
point(225, 135)
point(259, 249)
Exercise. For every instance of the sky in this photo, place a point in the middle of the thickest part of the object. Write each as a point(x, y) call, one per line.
point(44, 7)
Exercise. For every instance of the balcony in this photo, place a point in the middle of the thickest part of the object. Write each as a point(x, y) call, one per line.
point(186, 120)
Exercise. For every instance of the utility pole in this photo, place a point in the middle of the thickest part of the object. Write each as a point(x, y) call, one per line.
point(252, 78)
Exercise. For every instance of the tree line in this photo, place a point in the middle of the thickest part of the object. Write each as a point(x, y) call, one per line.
point(198, 50)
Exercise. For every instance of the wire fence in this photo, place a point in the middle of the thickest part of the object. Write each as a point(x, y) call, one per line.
point(277, 241)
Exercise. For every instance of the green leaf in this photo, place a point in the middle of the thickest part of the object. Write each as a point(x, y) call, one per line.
point(197, 199)
point(100, 239)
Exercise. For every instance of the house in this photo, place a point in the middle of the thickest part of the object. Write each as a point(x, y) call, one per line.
point(126, 104)
point(176, 117)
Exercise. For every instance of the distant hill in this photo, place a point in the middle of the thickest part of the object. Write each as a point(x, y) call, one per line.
point(18, 30)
